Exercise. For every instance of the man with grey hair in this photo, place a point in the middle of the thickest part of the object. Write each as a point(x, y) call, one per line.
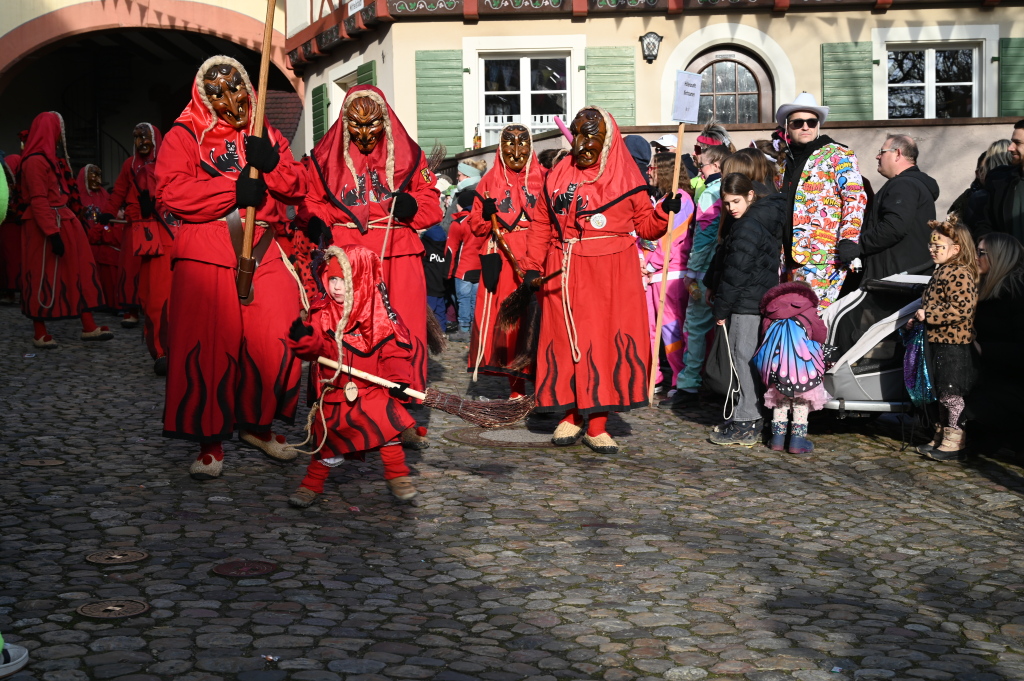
point(896, 232)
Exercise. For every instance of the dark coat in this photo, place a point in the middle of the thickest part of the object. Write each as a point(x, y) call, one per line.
point(895, 238)
point(752, 259)
point(1000, 186)
point(996, 397)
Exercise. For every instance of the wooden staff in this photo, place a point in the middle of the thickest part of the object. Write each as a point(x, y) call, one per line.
point(666, 253)
point(246, 263)
point(503, 246)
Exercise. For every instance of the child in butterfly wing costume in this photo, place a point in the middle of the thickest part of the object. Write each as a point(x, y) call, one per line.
point(791, 362)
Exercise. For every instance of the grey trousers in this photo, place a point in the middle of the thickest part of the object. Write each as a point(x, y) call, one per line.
point(743, 332)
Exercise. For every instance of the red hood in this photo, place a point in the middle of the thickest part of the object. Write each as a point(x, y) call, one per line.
point(788, 300)
point(515, 192)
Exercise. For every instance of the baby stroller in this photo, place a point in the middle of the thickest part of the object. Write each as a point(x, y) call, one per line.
point(864, 328)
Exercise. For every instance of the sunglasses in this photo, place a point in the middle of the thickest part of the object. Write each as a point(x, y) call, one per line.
point(797, 123)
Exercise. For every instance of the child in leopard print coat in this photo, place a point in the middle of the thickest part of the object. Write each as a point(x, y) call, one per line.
point(947, 310)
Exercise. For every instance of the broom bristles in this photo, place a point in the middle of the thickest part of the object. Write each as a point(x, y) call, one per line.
point(517, 303)
point(484, 414)
point(437, 342)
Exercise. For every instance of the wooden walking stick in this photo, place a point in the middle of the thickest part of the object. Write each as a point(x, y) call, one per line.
point(246, 263)
point(666, 253)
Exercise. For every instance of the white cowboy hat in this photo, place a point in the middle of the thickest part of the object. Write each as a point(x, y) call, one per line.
point(805, 101)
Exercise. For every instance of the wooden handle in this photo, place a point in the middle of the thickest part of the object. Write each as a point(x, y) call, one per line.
point(382, 382)
point(666, 255)
point(245, 260)
point(506, 250)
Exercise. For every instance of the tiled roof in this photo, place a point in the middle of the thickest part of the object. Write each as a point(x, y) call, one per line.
point(284, 109)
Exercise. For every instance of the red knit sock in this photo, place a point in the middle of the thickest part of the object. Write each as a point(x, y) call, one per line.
point(210, 451)
point(39, 330)
point(572, 416)
point(316, 475)
point(517, 387)
point(88, 323)
point(598, 424)
point(393, 458)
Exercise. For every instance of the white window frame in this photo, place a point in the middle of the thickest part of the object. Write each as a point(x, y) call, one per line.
point(525, 89)
point(930, 83)
point(474, 50)
point(983, 37)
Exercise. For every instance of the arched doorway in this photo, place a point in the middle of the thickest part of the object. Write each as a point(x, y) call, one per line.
point(735, 87)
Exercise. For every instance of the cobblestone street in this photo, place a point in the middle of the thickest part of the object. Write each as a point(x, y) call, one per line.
point(674, 560)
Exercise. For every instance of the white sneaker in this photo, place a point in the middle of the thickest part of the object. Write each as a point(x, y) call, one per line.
point(12, 659)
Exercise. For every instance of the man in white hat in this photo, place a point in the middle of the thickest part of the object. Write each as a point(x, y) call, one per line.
point(666, 143)
point(823, 182)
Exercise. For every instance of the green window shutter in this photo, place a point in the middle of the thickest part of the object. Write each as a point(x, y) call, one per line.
point(611, 81)
point(847, 81)
point(321, 112)
point(439, 99)
point(1011, 76)
point(366, 74)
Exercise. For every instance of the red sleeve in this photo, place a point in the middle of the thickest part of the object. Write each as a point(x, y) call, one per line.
point(649, 223)
point(288, 182)
point(428, 199)
point(477, 224)
point(395, 362)
point(538, 239)
point(184, 188)
point(37, 178)
point(122, 186)
point(308, 348)
point(456, 239)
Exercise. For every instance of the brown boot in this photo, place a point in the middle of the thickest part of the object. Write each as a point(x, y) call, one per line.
point(412, 440)
point(402, 488)
point(954, 442)
point(303, 497)
point(936, 440)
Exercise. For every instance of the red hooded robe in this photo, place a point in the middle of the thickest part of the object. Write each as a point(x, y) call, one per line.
point(594, 349)
point(10, 232)
point(519, 195)
point(376, 342)
point(104, 239)
point(229, 366)
point(53, 287)
point(352, 191)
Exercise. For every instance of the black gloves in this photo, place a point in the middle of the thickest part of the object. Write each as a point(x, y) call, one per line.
point(398, 392)
point(249, 192)
point(299, 330)
point(56, 244)
point(147, 204)
point(405, 206)
point(530, 276)
point(104, 218)
point(317, 228)
point(847, 251)
point(490, 208)
point(261, 154)
point(472, 276)
point(673, 203)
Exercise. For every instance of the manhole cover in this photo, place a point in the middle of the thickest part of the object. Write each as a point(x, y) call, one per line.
point(113, 609)
point(43, 462)
point(116, 557)
point(505, 438)
point(244, 568)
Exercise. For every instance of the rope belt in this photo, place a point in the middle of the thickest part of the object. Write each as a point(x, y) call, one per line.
point(570, 321)
point(376, 223)
point(56, 267)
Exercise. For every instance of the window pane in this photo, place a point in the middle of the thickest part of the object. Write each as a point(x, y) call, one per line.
point(501, 75)
point(725, 76)
point(495, 105)
point(545, 105)
point(906, 102)
point(953, 101)
point(707, 84)
point(954, 66)
point(547, 74)
point(906, 67)
point(745, 79)
point(747, 109)
point(707, 107)
point(725, 108)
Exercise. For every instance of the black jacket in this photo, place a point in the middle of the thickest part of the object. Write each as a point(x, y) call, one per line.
point(895, 238)
point(752, 259)
point(1000, 186)
point(996, 397)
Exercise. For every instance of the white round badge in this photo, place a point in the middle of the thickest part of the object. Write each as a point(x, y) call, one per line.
point(598, 221)
point(351, 391)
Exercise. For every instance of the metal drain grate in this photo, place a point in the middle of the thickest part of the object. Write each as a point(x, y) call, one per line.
point(244, 568)
point(113, 609)
point(116, 557)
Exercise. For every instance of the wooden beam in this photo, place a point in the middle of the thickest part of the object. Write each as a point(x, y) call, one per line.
point(470, 10)
point(882, 5)
point(580, 8)
point(781, 5)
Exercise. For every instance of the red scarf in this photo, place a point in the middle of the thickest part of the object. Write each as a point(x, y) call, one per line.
point(220, 146)
point(576, 192)
point(144, 167)
point(348, 175)
point(516, 192)
point(372, 322)
point(43, 135)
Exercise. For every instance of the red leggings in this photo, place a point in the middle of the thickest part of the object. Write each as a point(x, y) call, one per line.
point(393, 457)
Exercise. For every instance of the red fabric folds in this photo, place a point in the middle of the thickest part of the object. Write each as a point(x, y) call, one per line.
point(516, 193)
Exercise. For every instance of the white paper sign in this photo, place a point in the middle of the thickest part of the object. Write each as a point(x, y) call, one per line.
point(354, 6)
point(686, 104)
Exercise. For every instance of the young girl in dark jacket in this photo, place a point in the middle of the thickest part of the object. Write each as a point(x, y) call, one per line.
point(750, 266)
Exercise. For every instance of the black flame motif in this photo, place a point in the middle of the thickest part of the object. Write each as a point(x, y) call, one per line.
point(626, 390)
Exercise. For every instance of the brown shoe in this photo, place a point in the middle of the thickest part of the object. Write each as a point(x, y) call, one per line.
point(100, 333)
point(47, 342)
point(602, 443)
point(129, 322)
point(954, 443)
point(303, 497)
point(206, 468)
point(279, 451)
point(566, 433)
point(412, 440)
point(936, 441)
point(402, 488)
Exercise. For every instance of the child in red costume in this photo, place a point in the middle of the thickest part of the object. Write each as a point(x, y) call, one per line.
point(10, 234)
point(104, 239)
point(375, 341)
point(147, 244)
point(378, 199)
point(229, 364)
point(59, 277)
point(594, 349)
point(513, 197)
